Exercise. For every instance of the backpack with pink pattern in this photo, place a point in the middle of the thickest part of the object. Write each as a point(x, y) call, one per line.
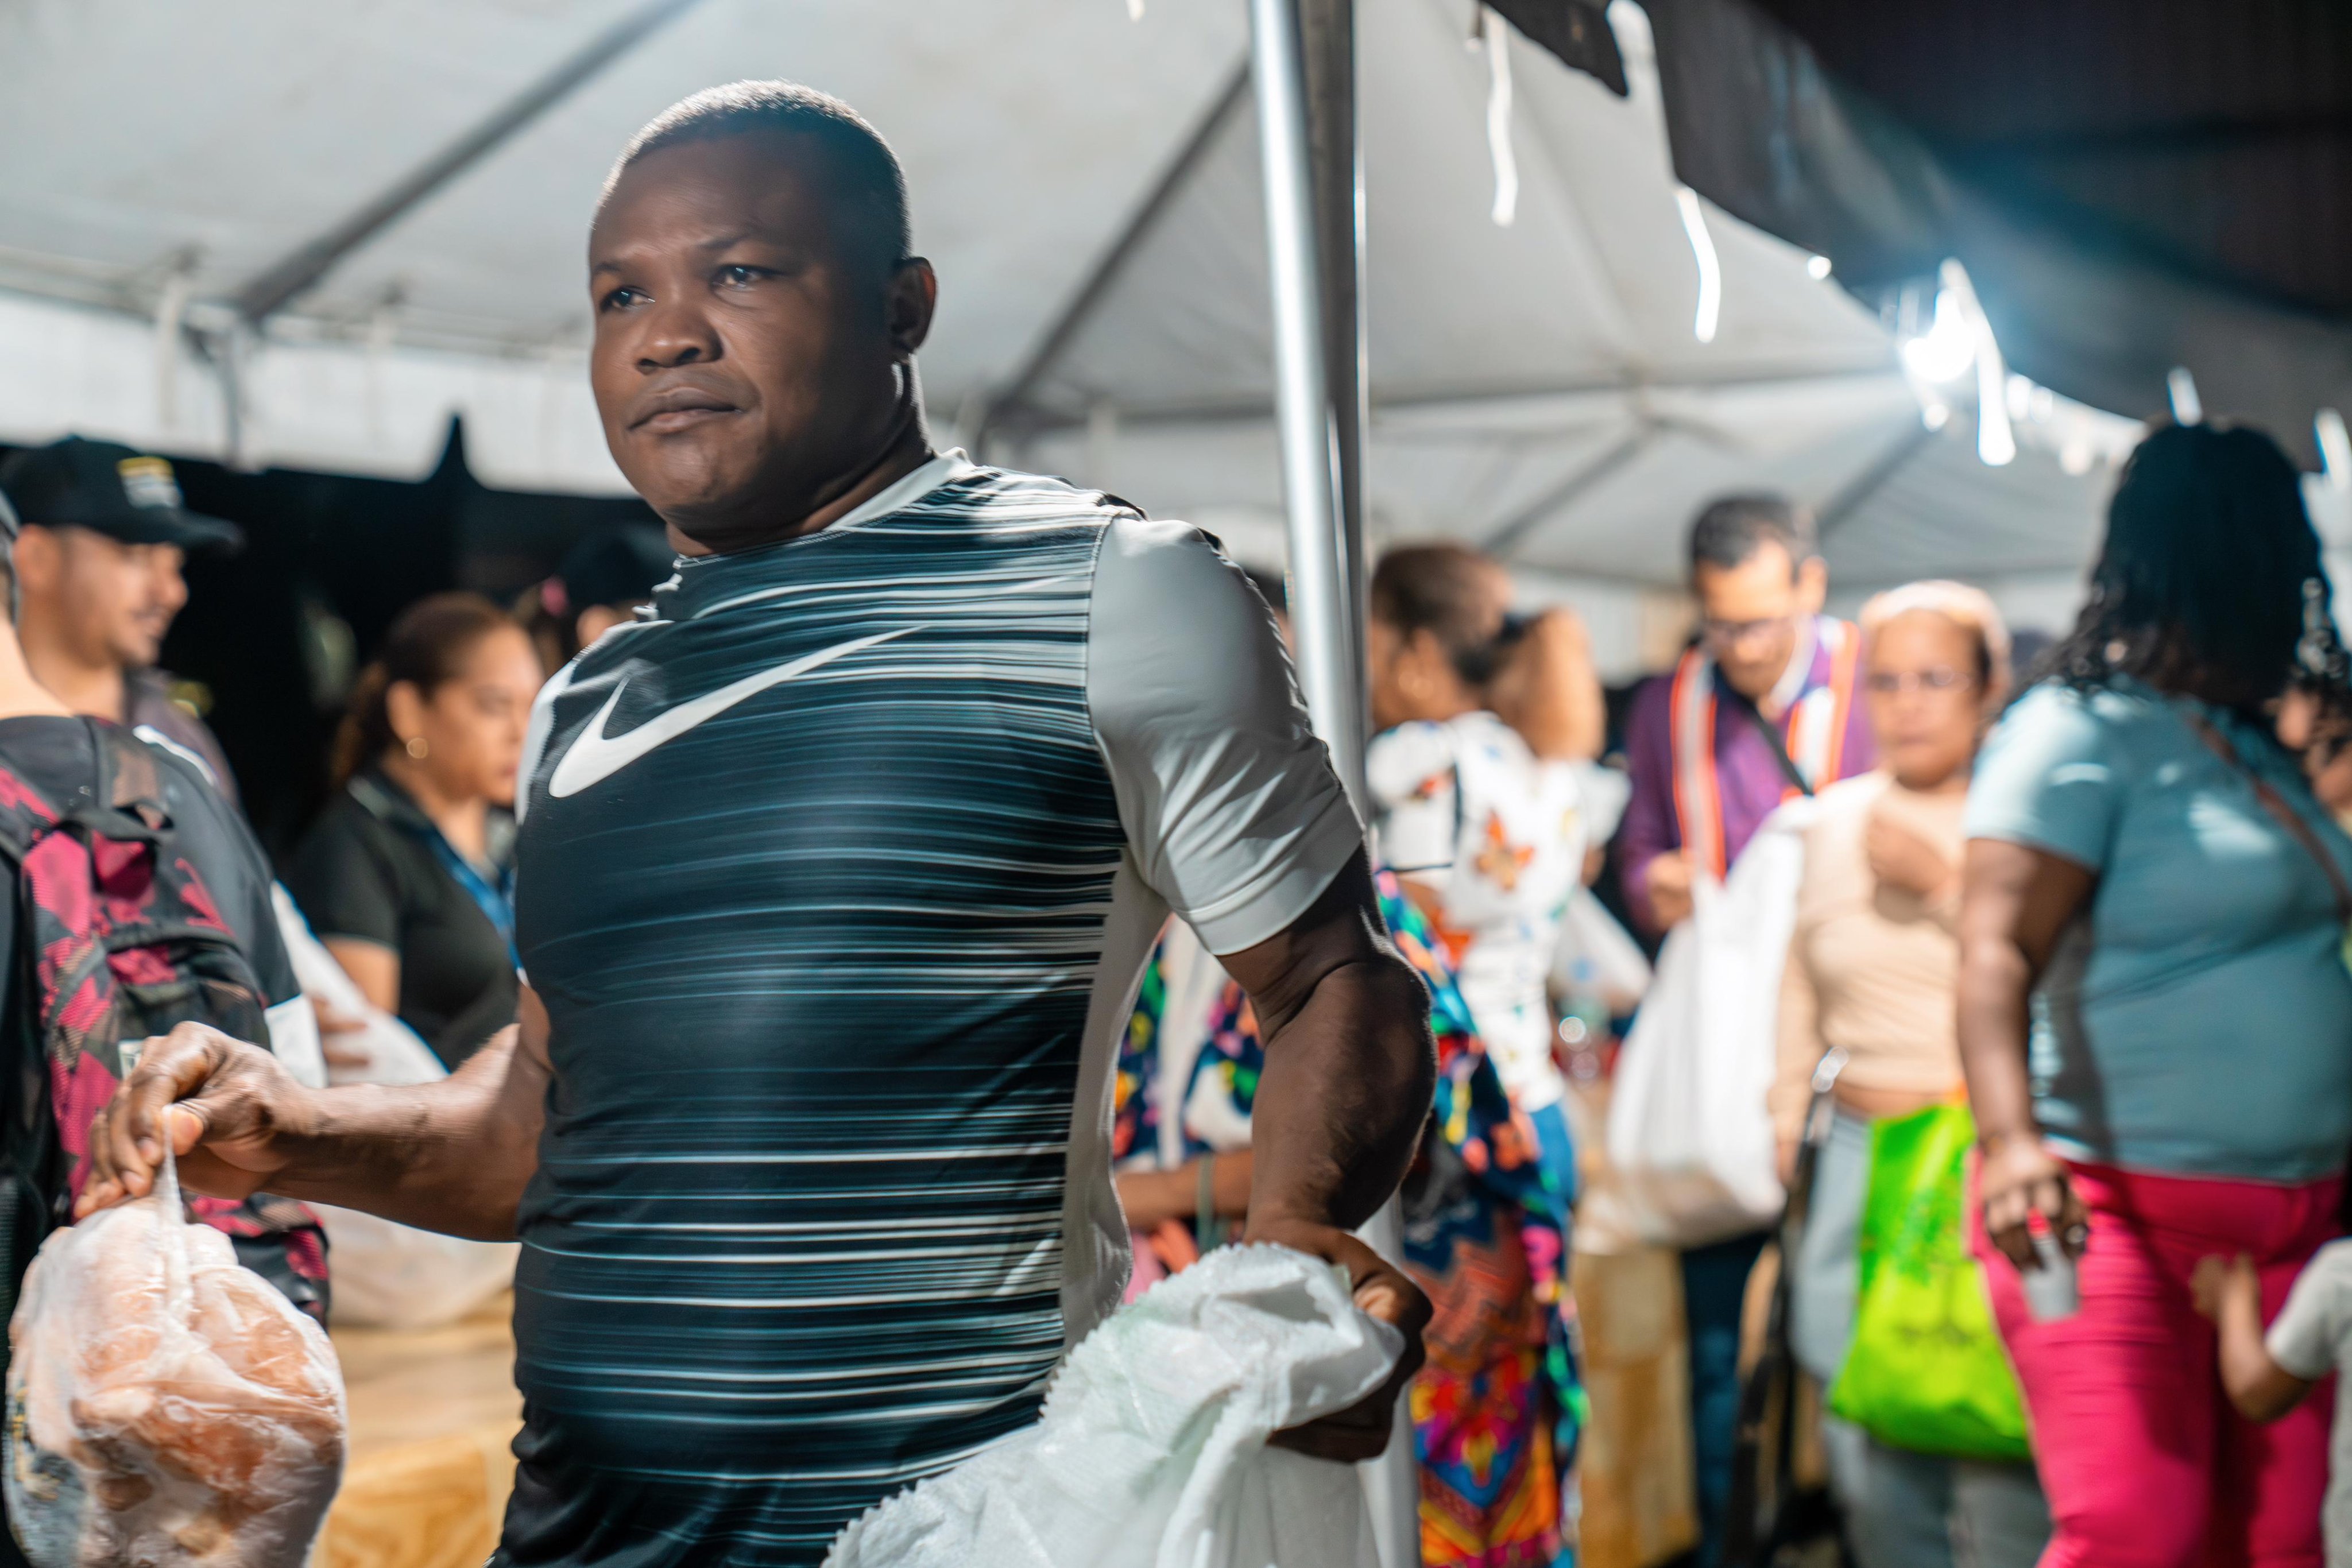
point(118, 940)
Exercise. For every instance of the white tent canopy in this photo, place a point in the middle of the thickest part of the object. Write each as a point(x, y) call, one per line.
point(1539, 388)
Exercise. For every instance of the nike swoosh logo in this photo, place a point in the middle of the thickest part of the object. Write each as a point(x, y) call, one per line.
point(595, 756)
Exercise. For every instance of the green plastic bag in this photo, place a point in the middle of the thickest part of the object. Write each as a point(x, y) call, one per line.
point(1926, 1371)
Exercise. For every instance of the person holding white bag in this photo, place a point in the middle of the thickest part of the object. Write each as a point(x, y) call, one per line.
point(1759, 711)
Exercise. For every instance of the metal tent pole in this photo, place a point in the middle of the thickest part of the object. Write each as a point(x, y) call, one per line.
point(1303, 69)
point(1322, 612)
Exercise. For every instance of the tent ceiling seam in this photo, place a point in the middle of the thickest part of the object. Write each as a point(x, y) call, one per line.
point(1031, 421)
point(302, 268)
point(1586, 475)
point(1840, 507)
point(1092, 290)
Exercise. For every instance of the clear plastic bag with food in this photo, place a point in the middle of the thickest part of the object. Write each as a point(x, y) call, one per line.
point(166, 1406)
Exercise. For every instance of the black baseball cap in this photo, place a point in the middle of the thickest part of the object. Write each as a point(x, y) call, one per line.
point(112, 490)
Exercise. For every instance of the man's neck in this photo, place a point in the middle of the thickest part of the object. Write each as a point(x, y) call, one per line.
point(907, 450)
point(22, 696)
point(98, 691)
point(1791, 684)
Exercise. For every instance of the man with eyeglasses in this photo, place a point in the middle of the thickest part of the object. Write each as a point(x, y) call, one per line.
point(1761, 708)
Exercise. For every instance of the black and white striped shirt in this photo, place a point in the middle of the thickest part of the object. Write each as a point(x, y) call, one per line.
point(835, 877)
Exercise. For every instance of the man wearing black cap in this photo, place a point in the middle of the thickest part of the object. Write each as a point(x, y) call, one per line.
point(97, 577)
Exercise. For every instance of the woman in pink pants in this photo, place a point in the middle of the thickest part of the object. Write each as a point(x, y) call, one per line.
point(2154, 1013)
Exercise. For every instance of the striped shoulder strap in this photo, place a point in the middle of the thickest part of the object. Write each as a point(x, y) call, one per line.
point(1817, 724)
point(1698, 804)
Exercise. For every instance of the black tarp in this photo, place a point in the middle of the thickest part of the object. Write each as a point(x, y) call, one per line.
point(2132, 184)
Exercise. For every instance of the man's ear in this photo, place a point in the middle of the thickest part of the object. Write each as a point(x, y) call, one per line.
point(39, 558)
point(1813, 585)
point(910, 301)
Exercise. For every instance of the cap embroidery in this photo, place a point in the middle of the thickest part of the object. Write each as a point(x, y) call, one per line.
point(148, 482)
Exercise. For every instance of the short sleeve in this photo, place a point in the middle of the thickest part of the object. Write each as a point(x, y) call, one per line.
point(2049, 778)
point(343, 887)
point(1410, 772)
point(1231, 807)
point(2306, 1337)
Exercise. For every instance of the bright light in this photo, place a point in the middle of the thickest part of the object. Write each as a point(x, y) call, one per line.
point(2188, 408)
point(1946, 350)
point(1957, 340)
point(1817, 268)
point(1996, 442)
point(1711, 269)
point(2334, 447)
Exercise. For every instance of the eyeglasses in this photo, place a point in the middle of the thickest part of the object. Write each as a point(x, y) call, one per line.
point(1886, 683)
point(1732, 634)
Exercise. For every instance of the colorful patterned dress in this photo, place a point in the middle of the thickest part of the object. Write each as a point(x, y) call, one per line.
point(1498, 1409)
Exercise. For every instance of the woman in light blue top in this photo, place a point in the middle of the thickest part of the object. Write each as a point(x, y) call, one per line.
point(2155, 1012)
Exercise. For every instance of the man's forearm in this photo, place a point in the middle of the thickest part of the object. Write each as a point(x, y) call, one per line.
point(1346, 1089)
point(451, 1156)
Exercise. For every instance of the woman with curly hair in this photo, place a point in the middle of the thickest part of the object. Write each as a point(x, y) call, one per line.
point(2153, 918)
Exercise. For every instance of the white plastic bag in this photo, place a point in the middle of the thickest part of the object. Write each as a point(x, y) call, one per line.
point(1594, 950)
point(1151, 1452)
point(386, 1274)
point(383, 1050)
point(1689, 1134)
point(166, 1406)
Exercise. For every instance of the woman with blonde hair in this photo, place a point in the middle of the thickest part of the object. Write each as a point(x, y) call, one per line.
point(1872, 963)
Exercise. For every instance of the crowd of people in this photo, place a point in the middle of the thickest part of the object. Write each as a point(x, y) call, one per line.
point(776, 938)
point(2096, 906)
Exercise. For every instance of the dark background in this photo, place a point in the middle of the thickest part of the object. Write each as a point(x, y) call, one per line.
point(272, 633)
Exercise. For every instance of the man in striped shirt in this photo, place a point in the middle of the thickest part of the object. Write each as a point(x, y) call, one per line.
point(836, 873)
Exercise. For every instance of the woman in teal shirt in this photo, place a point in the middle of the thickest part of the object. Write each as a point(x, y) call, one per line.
point(2155, 1014)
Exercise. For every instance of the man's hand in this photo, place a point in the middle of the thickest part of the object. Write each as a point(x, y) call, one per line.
point(1901, 857)
point(1363, 1430)
point(223, 1102)
point(2020, 1178)
point(1667, 880)
point(453, 1155)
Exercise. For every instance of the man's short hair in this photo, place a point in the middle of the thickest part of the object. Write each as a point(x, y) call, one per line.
point(865, 181)
point(1731, 531)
